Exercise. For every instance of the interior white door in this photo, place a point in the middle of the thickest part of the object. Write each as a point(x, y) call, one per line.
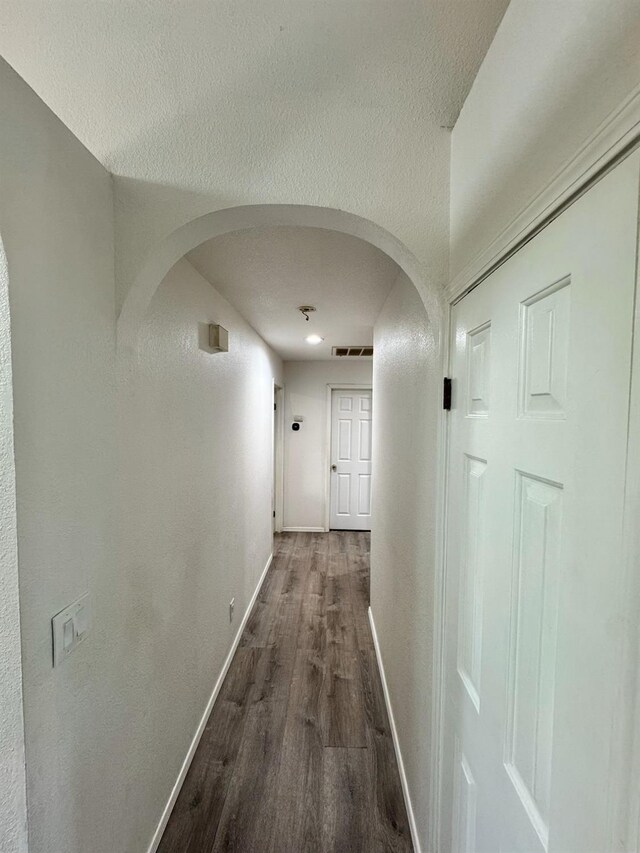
point(541, 360)
point(350, 460)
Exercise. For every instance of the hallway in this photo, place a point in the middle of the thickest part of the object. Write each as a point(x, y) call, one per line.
point(297, 754)
point(289, 265)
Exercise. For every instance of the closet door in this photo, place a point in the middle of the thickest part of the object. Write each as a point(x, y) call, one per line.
point(541, 359)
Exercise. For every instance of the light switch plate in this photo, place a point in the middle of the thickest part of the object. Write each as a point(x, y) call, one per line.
point(70, 627)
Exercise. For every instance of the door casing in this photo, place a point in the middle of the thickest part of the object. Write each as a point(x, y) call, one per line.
point(331, 386)
point(278, 457)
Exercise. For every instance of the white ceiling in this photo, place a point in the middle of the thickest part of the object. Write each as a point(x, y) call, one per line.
point(200, 105)
point(268, 273)
point(152, 86)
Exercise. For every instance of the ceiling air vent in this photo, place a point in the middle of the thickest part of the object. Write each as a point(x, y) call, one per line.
point(362, 352)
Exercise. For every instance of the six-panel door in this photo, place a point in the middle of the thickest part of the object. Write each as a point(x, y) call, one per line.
point(350, 460)
point(541, 355)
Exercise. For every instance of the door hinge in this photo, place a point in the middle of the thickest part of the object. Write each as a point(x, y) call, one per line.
point(274, 513)
point(446, 394)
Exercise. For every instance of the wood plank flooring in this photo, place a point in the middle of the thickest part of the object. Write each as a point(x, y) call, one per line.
point(297, 755)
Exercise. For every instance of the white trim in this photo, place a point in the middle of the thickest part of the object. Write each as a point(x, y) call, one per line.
point(396, 742)
point(166, 814)
point(615, 136)
point(624, 795)
point(278, 462)
point(331, 387)
point(437, 767)
point(303, 530)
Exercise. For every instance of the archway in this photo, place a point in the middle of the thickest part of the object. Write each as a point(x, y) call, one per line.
point(220, 222)
point(412, 678)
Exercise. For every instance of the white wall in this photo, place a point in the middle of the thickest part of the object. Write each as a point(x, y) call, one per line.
point(305, 451)
point(553, 73)
point(144, 479)
point(406, 392)
point(56, 222)
point(196, 472)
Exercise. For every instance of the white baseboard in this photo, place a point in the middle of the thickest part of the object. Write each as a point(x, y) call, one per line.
point(303, 530)
point(396, 743)
point(166, 814)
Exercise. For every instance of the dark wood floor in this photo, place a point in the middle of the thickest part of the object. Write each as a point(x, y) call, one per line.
point(297, 755)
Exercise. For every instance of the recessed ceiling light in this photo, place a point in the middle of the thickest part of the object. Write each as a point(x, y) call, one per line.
point(314, 339)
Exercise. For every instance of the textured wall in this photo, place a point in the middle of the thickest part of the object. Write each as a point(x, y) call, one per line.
point(305, 452)
point(553, 73)
point(196, 476)
point(154, 496)
point(13, 802)
point(56, 222)
point(406, 393)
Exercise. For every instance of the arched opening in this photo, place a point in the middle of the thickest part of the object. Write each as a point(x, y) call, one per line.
point(207, 520)
point(220, 222)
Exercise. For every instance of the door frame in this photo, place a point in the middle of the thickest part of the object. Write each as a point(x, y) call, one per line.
point(326, 455)
point(625, 808)
point(624, 794)
point(277, 440)
point(437, 768)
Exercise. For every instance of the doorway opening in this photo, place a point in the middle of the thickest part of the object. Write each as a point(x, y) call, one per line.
point(278, 457)
point(349, 441)
point(364, 285)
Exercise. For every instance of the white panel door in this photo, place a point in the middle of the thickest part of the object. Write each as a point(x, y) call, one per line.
point(350, 460)
point(541, 359)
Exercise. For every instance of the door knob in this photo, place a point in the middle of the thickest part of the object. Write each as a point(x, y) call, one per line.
point(334, 467)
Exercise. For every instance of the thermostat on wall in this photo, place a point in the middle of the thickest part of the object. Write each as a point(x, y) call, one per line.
point(218, 338)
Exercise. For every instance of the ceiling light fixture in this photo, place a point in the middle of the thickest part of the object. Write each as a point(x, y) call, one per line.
point(305, 310)
point(314, 339)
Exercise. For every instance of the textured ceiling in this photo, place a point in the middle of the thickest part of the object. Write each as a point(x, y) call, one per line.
point(201, 105)
point(268, 273)
point(122, 75)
